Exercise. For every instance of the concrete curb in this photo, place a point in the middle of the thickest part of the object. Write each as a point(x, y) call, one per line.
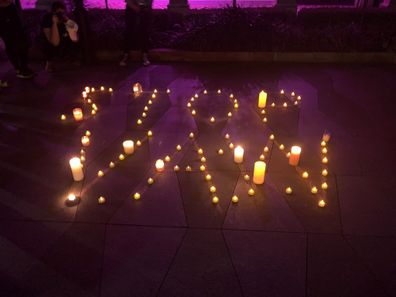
point(169, 55)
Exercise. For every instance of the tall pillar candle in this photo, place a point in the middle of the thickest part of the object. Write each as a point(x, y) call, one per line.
point(295, 153)
point(262, 101)
point(76, 169)
point(259, 172)
point(128, 146)
point(238, 154)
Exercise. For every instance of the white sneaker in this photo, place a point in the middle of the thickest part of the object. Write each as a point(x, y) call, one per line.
point(124, 60)
point(146, 61)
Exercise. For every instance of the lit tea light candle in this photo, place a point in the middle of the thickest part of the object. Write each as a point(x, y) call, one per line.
point(100, 173)
point(236, 105)
point(202, 168)
point(293, 94)
point(167, 158)
point(101, 200)
point(282, 92)
point(188, 168)
point(229, 114)
point(139, 122)
point(193, 112)
point(231, 95)
point(262, 157)
point(102, 88)
point(121, 157)
point(155, 91)
point(323, 143)
point(144, 115)
point(314, 190)
point(85, 140)
point(298, 98)
point(82, 158)
point(305, 174)
point(288, 155)
point(71, 199)
point(178, 147)
point(215, 200)
point(218, 91)
point(89, 100)
point(289, 190)
point(326, 137)
point(94, 106)
point(266, 149)
point(272, 137)
point(273, 104)
point(63, 117)
point(149, 133)
point(88, 133)
point(227, 136)
point(212, 189)
point(265, 120)
point(324, 186)
point(168, 91)
point(150, 181)
point(212, 119)
point(196, 95)
point(284, 104)
point(238, 154)
point(324, 150)
point(321, 203)
point(87, 89)
point(76, 169)
point(295, 102)
point(176, 168)
point(220, 152)
point(93, 111)
point(160, 165)
point(129, 147)
point(192, 99)
point(295, 153)
point(259, 172)
point(208, 177)
point(200, 151)
point(262, 100)
point(235, 199)
point(203, 159)
point(246, 177)
point(149, 102)
point(84, 94)
point(145, 108)
point(78, 114)
point(153, 96)
point(136, 196)
point(251, 192)
point(325, 160)
point(138, 143)
point(189, 104)
point(205, 92)
point(231, 146)
point(111, 164)
point(191, 135)
point(281, 147)
point(324, 172)
point(263, 111)
point(111, 90)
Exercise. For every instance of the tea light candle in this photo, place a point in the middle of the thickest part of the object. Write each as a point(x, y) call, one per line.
point(215, 200)
point(284, 104)
point(111, 164)
point(218, 91)
point(188, 168)
point(71, 198)
point(282, 92)
point(150, 181)
point(212, 119)
point(266, 149)
point(324, 150)
point(298, 98)
point(149, 133)
point(63, 117)
point(325, 186)
point(272, 137)
point(176, 168)
point(231, 146)
point(155, 91)
point(293, 94)
point(263, 111)
point(305, 174)
point(265, 120)
point(145, 108)
point(326, 136)
point(229, 114)
point(78, 114)
point(295, 153)
point(262, 157)
point(191, 135)
point(246, 177)
point(231, 95)
point(149, 102)
point(227, 136)
point(76, 169)
point(238, 154)
point(220, 151)
point(139, 121)
point(189, 104)
point(100, 173)
point(325, 160)
point(101, 200)
point(281, 147)
point(200, 151)
point(136, 196)
point(236, 106)
point(212, 189)
point(121, 157)
point(167, 158)
point(208, 177)
point(322, 203)
point(128, 146)
point(144, 115)
point(85, 140)
point(196, 95)
point(202, 167)
point(235, 199)
point(259, 172)
point(102, 88)
point(314, 190)
point(262, 100)
point(205, 92)
point(251, 192)
point(325, 172)
point(168, 91)
point(93, 111)
point(138, 143)
point(110, 90)
point(153, 96)
point(203, 159)
point(289, 190)
point(323, 143)
point(273, 104)
point(193, 112)
point(160, 165)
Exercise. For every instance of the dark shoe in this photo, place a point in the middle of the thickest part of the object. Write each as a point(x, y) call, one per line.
point(25, 74)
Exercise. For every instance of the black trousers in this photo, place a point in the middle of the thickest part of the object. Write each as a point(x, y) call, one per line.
point(14, 37)
point(137, 29)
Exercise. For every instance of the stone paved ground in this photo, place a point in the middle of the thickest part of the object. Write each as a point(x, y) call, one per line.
point(174, 241)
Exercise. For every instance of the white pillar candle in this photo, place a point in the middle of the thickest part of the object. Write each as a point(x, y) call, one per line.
point(159, 165)
point(85, 140)
point(76, 169)
point(262, 101)
point(238, 154)
point(259, 172)
point(294, 155)
point(78, 114)
point(128, 146)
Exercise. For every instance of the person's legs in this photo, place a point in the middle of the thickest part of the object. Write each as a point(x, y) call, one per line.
point(129, 33)
point(10, 47)
point(144, 33)
point(49, 52)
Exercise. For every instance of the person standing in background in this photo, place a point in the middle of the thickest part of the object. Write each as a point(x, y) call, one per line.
point(15, 39)
point(138, 15)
